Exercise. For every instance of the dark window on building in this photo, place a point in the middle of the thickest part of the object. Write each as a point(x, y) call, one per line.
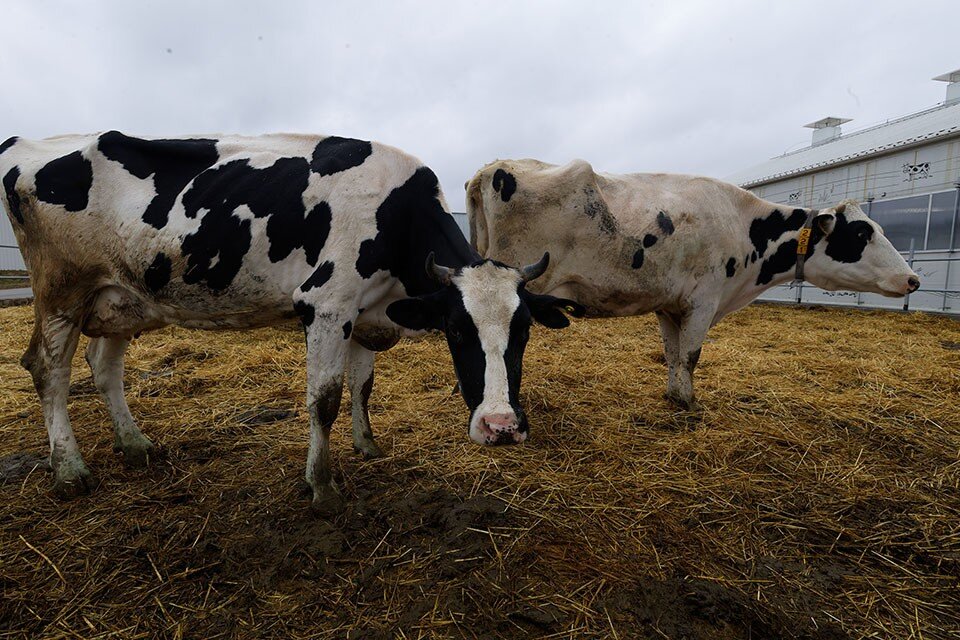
point(902, 220)
point(941, 220)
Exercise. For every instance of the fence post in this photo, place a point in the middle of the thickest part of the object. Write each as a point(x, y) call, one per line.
point(906, 298)
point(952, 246)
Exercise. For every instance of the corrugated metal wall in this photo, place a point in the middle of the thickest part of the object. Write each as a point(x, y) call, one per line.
point(10, 257)
point(923, 169)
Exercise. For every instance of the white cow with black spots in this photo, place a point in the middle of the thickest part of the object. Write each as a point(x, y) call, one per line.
point(690, 249)
point(124, 235)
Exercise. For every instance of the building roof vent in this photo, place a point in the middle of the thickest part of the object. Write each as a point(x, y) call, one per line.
point(826, 129)
point(953, 88)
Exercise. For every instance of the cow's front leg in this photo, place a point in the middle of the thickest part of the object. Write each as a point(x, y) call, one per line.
point(52, 346)
point(326, 355)
point(105, 357)
point(360, 379)
point(692, 332)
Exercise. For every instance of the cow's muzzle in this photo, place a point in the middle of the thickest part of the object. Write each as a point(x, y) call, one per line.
point(497, 429)
point(899, 285)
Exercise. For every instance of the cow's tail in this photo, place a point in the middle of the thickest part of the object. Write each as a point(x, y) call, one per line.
point(475, 214)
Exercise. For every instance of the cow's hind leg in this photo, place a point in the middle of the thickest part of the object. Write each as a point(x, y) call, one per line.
point(105, 357)
point(52, 346)
point(360, 379)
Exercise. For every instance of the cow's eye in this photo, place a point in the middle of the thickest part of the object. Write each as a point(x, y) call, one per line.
point(864, 234)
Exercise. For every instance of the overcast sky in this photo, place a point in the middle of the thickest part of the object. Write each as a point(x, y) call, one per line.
point(698, 87)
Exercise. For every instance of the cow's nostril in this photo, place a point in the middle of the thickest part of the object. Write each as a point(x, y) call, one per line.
point(914, 283)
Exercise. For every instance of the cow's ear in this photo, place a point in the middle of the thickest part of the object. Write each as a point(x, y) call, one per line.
point(418, 314)
point(825, 222)
point(547, 310)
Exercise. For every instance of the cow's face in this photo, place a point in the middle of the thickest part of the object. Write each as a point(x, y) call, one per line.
point(850, 252)
point(485, 313)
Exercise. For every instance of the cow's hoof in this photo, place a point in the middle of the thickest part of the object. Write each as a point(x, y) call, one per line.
point(328, 502)
point(369, 449)
point(685, 404)
point(73, 479)
point(138, 452)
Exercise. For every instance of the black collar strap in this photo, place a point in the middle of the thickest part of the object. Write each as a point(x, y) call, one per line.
point(803, 245)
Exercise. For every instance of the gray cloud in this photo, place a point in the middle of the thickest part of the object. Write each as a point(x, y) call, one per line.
point(697, 87)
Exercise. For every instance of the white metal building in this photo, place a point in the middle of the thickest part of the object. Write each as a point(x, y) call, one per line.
point(10, 257)
point(906, 175)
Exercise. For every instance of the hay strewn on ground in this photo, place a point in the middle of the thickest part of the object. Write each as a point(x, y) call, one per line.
point(816, 497)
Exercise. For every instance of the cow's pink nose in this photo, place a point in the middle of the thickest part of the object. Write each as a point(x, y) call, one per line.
point(497, 428)
point(500, 422)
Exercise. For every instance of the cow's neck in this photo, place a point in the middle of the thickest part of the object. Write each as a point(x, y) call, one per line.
point(432, 231)
point(777, 266)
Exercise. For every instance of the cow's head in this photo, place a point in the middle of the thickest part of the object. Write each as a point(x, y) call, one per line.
point(486, 312)
point(849, 251)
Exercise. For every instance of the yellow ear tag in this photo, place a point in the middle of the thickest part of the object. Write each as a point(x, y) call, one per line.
point(802, 241)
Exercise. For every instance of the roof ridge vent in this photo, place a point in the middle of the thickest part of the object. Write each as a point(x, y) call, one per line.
point(953, 88)
point(826, 129)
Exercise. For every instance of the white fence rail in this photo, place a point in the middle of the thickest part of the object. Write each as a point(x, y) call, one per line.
point(939, 292)
point(10, 258)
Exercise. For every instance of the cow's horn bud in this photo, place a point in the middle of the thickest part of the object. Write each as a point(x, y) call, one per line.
point(534, 271)
point(441, 274)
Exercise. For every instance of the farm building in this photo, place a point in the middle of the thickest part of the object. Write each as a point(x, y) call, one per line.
point(906, 175)
point(10, 257)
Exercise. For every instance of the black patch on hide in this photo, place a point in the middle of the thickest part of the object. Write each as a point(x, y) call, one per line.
point(66, 181)
point(157, 274)
point(505, 184)
point(173, 163)
point(335, 154)
point(10, 186)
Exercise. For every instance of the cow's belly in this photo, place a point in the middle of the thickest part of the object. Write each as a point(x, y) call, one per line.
point(626, 298)
point(118, 311)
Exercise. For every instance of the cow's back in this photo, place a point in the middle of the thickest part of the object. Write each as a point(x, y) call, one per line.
point(204, 227)
point(620, 244)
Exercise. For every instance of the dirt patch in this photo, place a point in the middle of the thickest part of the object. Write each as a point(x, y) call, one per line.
point(685, 607)
point(264, 415)
point(17, 466)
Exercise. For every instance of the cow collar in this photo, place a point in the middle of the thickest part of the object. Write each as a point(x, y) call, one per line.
point(803, 245)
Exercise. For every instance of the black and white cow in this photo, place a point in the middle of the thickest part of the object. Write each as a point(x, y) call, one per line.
point(124, 235)
point(689, 248)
